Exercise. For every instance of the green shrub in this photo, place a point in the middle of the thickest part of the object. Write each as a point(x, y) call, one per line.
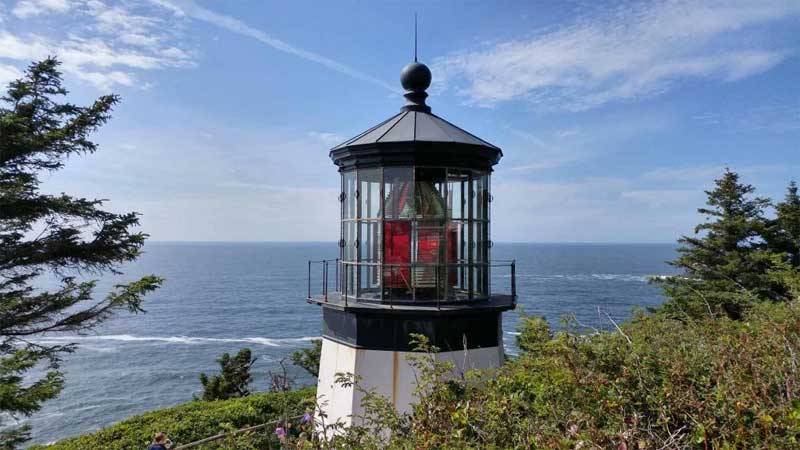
point(191, 421)
point(656, 383)
point(234, 377)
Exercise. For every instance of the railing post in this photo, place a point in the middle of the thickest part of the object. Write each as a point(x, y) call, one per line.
point(325, 279)
point(309, 280)
point(438, 300)
point(514, 281)
point(337, 275)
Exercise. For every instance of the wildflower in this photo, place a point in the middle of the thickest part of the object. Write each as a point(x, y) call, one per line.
point(306, 418)
point(280, 432)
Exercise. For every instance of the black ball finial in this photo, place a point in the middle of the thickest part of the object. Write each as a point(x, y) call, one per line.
point(415, 78)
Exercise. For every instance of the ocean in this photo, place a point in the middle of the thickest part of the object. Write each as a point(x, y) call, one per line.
point(220, 297)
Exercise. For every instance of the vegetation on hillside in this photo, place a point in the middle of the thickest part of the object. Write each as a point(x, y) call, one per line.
point(657, 383)
point(52, 234)
point(194, 421)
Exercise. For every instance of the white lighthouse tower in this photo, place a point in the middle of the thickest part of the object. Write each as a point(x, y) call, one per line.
point(415, 250)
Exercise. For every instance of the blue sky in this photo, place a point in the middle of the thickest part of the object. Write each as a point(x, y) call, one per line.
point(613, 117)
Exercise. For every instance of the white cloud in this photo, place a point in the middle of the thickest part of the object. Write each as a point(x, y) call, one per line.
point(94, 60)
point(190, 9)
point(777, 116)
point(106, 80)
point(246, 189)
point(329, 139)
point(633, 51)
point(122, 37)
point(686, 174)
point(105, 45)
point(541, 154)
point(28, 8)
point(591, 210)
point(658, 198)
point(703, 175)
point(8, 74)
point(542, 148)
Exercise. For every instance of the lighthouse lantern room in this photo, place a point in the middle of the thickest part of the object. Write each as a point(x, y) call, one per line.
point(414, 255)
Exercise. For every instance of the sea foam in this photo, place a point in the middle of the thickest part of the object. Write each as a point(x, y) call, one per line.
point(179, 340)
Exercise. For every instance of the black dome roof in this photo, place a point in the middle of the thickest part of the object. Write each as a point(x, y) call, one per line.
point(416, 135)
point(415, 126)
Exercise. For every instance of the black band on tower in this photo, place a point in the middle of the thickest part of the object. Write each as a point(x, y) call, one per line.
point(451, 332)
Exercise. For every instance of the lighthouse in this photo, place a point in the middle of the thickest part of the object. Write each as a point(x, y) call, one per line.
point(414, 256)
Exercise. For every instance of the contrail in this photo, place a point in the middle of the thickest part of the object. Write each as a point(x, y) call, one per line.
point(190, 9)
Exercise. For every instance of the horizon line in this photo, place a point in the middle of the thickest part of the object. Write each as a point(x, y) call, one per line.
point(333, 242)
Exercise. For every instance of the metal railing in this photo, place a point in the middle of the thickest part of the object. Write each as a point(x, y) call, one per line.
point(347, 286)
point(220, 436)
point(324, 265)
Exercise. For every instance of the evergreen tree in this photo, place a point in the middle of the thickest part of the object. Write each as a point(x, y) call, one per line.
point(60, 235)
point(726, 264)
point(233, 380)
point(308, 358)
point(784, 236)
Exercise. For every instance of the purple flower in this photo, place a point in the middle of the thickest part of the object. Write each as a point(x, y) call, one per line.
point(281, 432)
point(306, 418)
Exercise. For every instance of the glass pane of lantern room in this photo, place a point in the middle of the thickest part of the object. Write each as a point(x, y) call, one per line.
point(369, 193)
point(458, 279)
point(349, 255)
point(349, 193)
point(430, 246)
point(456, 194)
point(398, 205)
point(399, 192)
point(459, 273)
point(481, 244)
point(481, 198)
point(369, 257)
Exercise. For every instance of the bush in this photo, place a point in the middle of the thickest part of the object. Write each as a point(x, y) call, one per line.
point(234, 377)
point(308, 358)
point(657, 383)
point(191, 421)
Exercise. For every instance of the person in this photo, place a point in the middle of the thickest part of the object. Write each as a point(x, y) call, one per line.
point(306, 426)
point(160, 442)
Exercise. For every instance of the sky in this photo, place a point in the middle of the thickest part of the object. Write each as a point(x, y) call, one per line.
point(613, 117)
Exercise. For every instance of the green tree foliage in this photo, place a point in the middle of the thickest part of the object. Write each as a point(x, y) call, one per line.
point(192, 421)
point(727, 264)
point(58, 235)
point(784, 236)
point(534, 332)
point(233, 380)
point(308, 358)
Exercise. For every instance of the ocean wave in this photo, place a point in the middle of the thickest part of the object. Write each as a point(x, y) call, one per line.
point(624, 277)
point(99, 348)
point(179, 340)
point(86, 408)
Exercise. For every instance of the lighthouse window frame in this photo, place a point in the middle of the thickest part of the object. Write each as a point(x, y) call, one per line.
point(442, 203)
